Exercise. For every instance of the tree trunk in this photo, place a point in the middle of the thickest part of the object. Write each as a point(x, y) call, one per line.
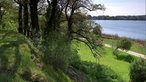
point(26, 27)
point(20, 29)
point(51, 21)
point(34, 16)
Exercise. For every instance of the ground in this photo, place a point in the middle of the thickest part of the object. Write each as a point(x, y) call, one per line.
point(20, 61)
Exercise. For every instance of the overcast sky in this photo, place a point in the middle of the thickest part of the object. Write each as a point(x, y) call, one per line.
point(121, 7)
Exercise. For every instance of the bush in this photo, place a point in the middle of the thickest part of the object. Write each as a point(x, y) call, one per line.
point(138, 71)
point(97, 72)
point(122, 56)
point(124, 43)
point(57, 50)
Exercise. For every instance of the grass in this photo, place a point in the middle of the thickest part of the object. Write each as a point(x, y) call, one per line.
point(119, 66)
point(136, 47)
point(19, 61)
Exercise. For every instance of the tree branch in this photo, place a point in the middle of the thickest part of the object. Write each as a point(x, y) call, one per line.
point(66, 10)
point(85, 43)
point(48, 1)
point(19, 2)
point(84, 37)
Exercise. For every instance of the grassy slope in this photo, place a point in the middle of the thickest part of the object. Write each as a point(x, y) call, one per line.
point(119, 66)
point(18, 61)
point(135, 46)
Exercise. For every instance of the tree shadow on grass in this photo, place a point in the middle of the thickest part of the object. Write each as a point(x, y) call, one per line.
point(10, 56)
point(15, 50)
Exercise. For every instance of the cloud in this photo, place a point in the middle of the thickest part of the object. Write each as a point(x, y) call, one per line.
point(114, 10)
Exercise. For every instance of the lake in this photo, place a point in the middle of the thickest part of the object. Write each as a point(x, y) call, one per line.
point(124, 28)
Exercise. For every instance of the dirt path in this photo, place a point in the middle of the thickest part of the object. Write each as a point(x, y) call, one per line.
point(129, 52)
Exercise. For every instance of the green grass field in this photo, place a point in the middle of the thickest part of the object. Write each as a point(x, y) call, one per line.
point(135, 46)
point(121, 67)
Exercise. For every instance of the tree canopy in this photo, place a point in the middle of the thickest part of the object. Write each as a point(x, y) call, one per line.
point(50, 24)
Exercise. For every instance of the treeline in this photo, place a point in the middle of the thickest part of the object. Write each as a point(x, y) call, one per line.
point(140, 17)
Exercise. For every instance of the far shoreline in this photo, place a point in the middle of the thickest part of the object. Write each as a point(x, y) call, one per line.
point(128, 17)
point(110, 36)
point(118, 19)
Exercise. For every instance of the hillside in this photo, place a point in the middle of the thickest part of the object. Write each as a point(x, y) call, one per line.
point(54, 41)
point(20, 61)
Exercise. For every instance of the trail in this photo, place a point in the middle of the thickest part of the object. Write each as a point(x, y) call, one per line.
point(129, 52)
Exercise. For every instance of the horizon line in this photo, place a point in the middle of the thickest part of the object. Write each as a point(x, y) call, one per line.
point(119, 15)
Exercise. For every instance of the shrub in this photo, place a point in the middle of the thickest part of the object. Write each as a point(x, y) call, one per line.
point(122, 56)
point(98, 73)
point(138, 71)
point(57, 50)
point(124, 43)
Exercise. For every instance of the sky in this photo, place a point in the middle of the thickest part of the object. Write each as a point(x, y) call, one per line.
point(121, 7)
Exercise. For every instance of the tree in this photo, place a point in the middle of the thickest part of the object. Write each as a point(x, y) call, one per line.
point(52, 11)
point(68, 8)
point(124, 43)
point(23, 17)
point(65, 19)
point(89, 33)
point(71, 12)
point(138, 71)
point(73, 6)
point(26, 6)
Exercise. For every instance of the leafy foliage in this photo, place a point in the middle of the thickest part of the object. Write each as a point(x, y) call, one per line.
point(97, 72)
point(89, 33)
point(8, 16)
point(120, 56)
point(138, 71)
point(57, 50)
point(124, 43)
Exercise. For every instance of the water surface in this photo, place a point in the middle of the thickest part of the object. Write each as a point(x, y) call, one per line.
point(124, 28)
